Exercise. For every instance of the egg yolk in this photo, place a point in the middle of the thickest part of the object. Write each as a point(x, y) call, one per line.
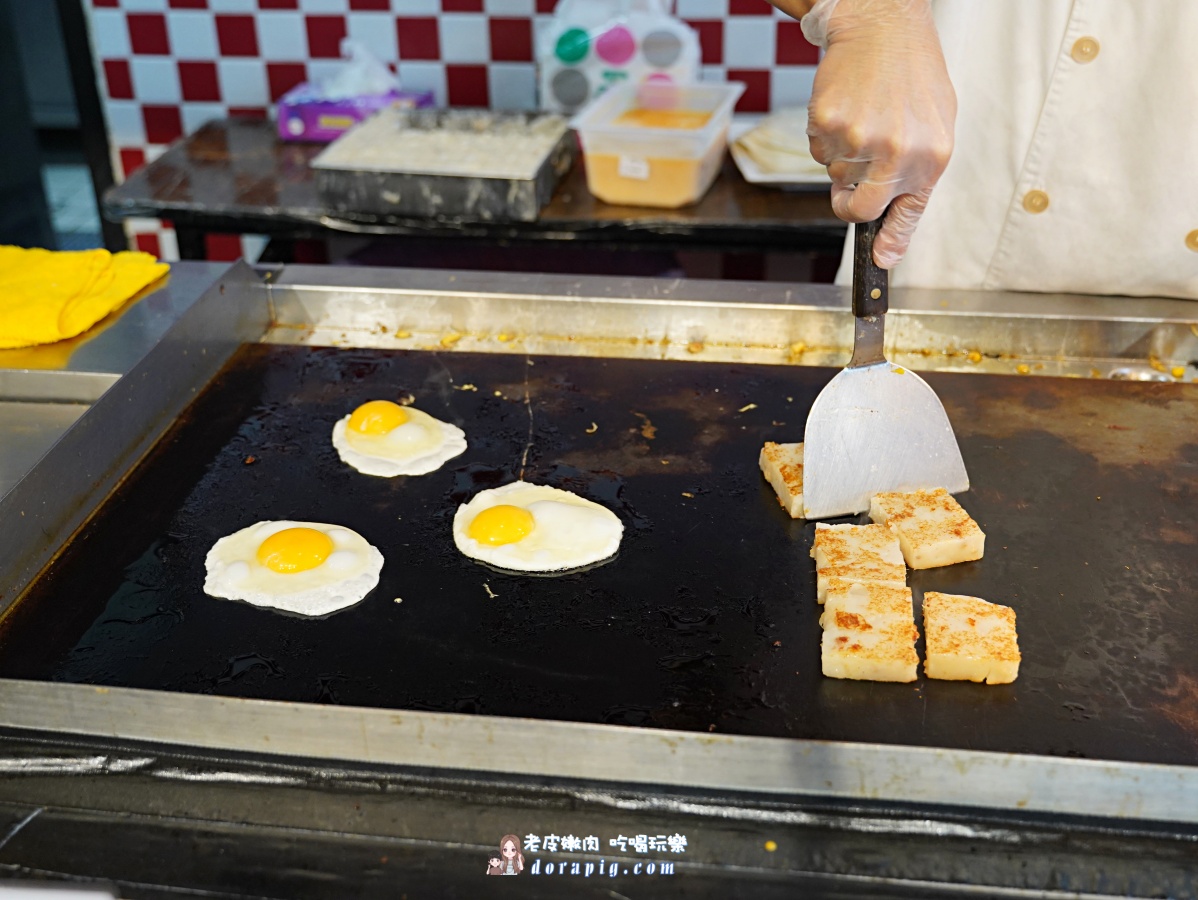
point(501, 524)
point(295, 550)
point(377, 417)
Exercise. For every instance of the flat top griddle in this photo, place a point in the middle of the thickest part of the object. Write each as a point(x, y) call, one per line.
point(706, 620)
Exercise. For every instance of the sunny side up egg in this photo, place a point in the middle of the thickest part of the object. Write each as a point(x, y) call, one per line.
point(307, 568)
point(535, 528)
point(386, 439)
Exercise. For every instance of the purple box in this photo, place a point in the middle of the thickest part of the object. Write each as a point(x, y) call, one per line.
point(305, 116)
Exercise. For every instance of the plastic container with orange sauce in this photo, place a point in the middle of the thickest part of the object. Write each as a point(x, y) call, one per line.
point(656, 144)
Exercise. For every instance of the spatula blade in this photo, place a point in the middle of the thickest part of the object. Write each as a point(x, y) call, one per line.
point(876, 428)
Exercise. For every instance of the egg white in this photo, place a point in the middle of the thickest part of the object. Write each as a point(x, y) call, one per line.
point(420, 445)
point(569, 531)
point(349, 574)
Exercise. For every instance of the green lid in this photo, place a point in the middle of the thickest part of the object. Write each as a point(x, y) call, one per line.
point(573, 45)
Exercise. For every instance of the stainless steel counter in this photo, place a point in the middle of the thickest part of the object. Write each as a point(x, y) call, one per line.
point(43, 390)
point(710, 321)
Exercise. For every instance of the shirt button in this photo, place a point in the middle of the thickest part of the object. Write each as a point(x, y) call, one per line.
point(1035, 201)
point(1192, 240)
point(1084, 50)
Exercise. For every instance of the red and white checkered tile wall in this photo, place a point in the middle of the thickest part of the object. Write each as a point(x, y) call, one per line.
point(168, 66)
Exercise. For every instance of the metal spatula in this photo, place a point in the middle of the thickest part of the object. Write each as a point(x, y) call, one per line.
point(876, 426)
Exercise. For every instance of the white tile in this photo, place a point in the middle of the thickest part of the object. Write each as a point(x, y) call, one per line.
point(243, 82)
point(713, 73)
point(110, 34)
point(416, 7)
point(153, 151)
point(236, 6)
point(168, 245)
point(282, 36)
point(513, 85)
point(193, 35)
point(197, 114)
point(377, 32)
point(702, 9)
point(465, 38)
point(138, 225)
point(252, 246)
point(324, 6)
point(791, 86)
point(510, 7)
point(126, 128)
point(749, 42)
point(425, 76)
point(155, 80)
point(144, 5)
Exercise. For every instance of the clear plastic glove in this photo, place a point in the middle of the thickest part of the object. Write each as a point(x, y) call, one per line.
point(881, 114)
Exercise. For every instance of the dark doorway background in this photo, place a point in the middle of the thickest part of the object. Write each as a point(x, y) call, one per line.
point(54, 160)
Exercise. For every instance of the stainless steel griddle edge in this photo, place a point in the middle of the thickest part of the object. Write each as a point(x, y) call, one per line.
point(548, 314)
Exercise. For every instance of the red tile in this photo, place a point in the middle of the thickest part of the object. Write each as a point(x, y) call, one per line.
point(756, 97)
point(236, 35)
point(188, 4)
point(461, 5)
point(792, 48)
point(222, 247)
point(147, 34)
point(370, 5)
point(711, 40)
point(248, 112)
point(546, 6)
point(132, 159)
point(148, 243)
point(278, 4)
point(511, 40)
point(199, 81)
point(110, 4)
point(118, 79)
point(310, 251)
point(418, 38)
point(282, 77)
point(749, 8)
point(163, 124)
point(467, 85)
point(325, 34)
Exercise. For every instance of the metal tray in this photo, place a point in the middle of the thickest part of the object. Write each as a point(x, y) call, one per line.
point(1083, 615)
point(348, 187)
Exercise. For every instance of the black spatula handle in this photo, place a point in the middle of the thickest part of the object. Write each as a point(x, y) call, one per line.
point(870, 281)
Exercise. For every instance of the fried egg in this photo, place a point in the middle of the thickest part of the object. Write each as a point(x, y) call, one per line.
point(308, 568)
point(386, 439)
point(535, 528)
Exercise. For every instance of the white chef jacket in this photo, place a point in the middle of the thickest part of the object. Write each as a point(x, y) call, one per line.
point(1076, 159)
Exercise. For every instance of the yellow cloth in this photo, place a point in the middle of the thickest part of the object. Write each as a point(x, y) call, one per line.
point(46, 295)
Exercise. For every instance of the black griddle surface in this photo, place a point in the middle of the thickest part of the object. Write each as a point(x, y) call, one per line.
point(706, 620)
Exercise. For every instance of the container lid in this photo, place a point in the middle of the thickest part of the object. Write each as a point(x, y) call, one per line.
point(716, 98)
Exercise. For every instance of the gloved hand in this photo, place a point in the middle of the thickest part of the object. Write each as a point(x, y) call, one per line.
point(881, 114)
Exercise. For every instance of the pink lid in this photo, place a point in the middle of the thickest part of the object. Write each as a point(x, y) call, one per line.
point(616, 45)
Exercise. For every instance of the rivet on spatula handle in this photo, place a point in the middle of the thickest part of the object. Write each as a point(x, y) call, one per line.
point(870, 281)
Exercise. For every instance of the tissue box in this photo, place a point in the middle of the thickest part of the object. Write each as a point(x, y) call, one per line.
point(306, 116)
